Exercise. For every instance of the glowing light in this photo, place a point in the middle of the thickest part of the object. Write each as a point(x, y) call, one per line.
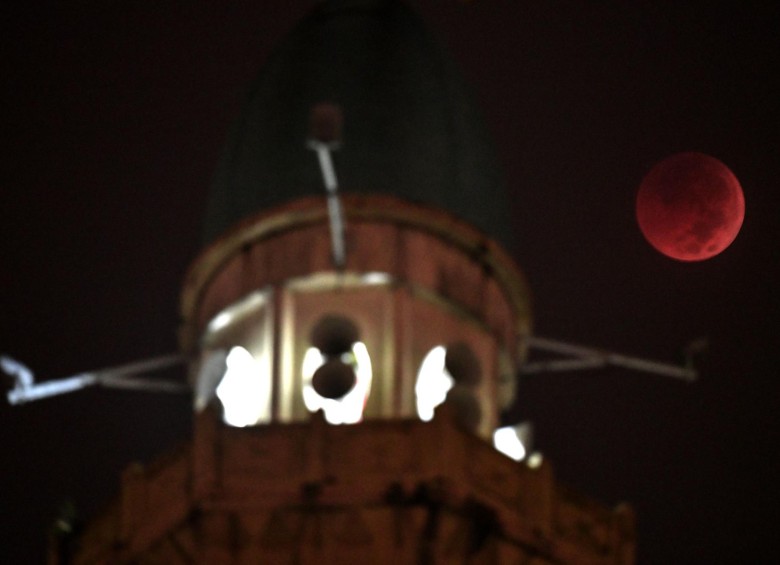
point(220, 321)
point(433, 383)
point(507, 441)
point(246, 305)
point(349, 408)
point(535, 460)
point(245, 391)
point(376, 278)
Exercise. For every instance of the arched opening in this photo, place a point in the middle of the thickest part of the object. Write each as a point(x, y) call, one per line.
point(347, 409)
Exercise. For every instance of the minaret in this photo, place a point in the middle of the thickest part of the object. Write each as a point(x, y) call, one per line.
point(345, 402)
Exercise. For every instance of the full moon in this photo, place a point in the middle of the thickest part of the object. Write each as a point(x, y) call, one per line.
point(690, 206)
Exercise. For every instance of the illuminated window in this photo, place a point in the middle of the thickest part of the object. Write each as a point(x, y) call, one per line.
point(433, 383)
point(349, 408)
point(508, 442)
point(245, 390)
point(236, 366)
point(514, 441)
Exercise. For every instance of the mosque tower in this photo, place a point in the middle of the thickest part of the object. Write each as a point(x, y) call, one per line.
point(353, 333)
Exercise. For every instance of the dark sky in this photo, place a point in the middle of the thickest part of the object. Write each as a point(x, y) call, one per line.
point(113, 117)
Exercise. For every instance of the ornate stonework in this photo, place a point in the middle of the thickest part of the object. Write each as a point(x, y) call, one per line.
point(378, 492)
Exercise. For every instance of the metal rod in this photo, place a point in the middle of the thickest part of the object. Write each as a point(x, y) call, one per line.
point(114, 377)
point(563, 365)
point(598, 358)
point(324, 136)
point(22, 394)
point(144, 366)
point(335, 212)
point(147, 385)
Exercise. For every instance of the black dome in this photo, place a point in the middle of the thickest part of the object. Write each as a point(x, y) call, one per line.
point(410, 127)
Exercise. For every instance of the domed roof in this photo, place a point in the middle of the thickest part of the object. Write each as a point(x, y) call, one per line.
point(410, 128)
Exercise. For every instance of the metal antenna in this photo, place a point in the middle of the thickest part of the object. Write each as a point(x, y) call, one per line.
point(593, 358)
point(26, 390)
point(326, 120)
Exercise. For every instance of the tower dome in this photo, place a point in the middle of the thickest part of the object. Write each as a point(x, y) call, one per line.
point(410, 127)
point(423, 305)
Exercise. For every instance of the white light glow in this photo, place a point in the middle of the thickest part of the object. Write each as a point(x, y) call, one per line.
point(507, 441)
point(226, 317)
point(349, 408)
point(376, 277)
point(433, 383)
point(245, 391)
point(535, 460)
point(220, 321)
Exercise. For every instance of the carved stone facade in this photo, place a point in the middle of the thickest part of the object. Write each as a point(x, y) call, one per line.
point(379, 492)
point(292, 488)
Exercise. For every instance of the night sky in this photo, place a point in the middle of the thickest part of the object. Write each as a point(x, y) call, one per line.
point(113, 118)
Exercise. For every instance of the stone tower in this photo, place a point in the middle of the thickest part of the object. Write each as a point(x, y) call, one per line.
point(345, 407)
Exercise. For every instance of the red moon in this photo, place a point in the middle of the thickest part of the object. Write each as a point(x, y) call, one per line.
point(690, 206)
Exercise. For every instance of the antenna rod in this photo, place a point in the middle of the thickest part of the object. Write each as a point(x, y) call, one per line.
point(592, 358)
point(26, 390)
point(326, 123)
